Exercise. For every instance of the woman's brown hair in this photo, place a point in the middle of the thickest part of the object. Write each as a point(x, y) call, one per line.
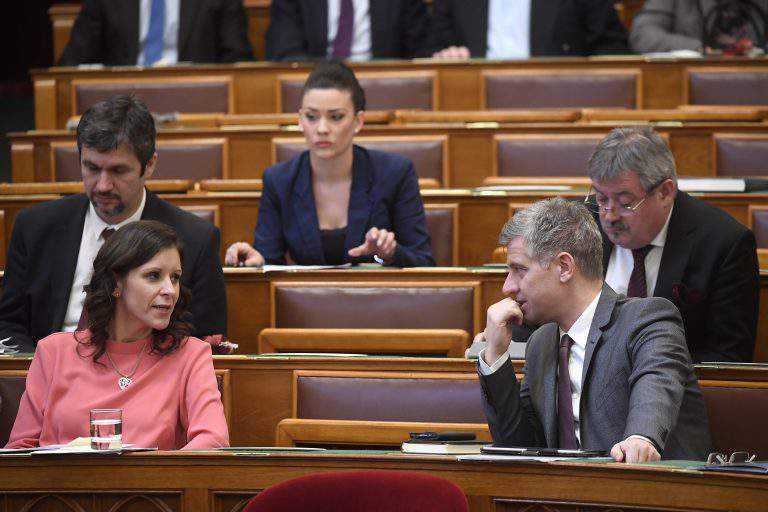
point(130, 247)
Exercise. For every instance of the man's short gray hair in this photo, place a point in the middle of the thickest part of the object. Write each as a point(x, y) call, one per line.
point(637, 149)
point(555, 225)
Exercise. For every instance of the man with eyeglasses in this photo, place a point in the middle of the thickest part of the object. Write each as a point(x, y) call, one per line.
point(660, 242)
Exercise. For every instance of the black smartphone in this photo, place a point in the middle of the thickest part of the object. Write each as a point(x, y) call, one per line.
point(442, 436)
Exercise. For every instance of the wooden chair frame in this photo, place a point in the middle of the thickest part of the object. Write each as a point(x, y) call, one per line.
point(636, 73)
point(443, 342)
point(477, 317)
point(454, 207)
point(423, 182)
point(362, 75)
point(226, 79)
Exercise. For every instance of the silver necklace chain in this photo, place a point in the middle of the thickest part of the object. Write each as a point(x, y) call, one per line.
point(125, 380)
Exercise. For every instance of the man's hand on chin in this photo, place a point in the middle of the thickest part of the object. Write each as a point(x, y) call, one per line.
point(633, 450)
point(498, 328)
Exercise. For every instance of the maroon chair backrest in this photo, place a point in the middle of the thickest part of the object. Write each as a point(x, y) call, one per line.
point(544, 155)
point(741, 155)
point(190, 96)
point(562, 89)
point(442, 225)
point(366, 490)
point(428, 153)
point(368, 397)
point(737, 418)
point(760, 226)
point(727, 87)
point(383, 91)
point(385, 305)
point(176, 160)
point(11, 389)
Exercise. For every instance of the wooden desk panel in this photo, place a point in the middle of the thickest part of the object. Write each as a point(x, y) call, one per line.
point(202, 482)
point(460, 84)
point(470, 149)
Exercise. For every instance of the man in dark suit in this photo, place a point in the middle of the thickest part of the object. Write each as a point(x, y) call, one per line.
point(50, 257)
point(145, 32)
point(483, 29)
point(379, 29)
point(603, 372)
point(661, 242)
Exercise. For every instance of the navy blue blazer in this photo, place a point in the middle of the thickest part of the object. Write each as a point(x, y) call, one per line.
point(385, 194)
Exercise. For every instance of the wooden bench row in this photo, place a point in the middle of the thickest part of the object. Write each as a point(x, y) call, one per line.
point(464, 224)
point(248, 88)
point(446, 155)
point(376, 402)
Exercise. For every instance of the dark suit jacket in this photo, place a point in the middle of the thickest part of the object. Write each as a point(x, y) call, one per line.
point(709, 270)
point(298, 29)
point(385, 194)
point(42, 258)
point(107, 32)
point(637, 380)
point(558, 27)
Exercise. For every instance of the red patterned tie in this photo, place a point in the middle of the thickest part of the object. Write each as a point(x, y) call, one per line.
point(82, 324)
point(637, 286)
point(566, 428)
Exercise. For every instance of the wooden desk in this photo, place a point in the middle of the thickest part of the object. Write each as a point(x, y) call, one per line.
point(202, 482)
point(459, 83)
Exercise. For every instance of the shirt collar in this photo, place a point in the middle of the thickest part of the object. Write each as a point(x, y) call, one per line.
point(579, 331)
point(95, 224)
point(661, 237)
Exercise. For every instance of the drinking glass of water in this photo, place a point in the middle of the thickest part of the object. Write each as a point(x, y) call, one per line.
point(106, 429)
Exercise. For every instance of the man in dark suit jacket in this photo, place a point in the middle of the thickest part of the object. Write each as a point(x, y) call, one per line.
point(603, 372)
point(53, 244)
point(298, 29)
point(557, 27)
point(107, 32)
point(698, 256)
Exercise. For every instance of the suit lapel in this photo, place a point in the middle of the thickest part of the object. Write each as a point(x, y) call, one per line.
point(360, 200)
point(543, 16)
point(549, 384)
point(187, 11)
point(677, 248)
point(379, 11)
point(67, 238)
point(305, 211)
point(130, 17)
point(603, 314)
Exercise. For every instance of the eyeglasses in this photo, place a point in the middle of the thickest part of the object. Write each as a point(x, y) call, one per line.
point(595, 205)
point(734, 458)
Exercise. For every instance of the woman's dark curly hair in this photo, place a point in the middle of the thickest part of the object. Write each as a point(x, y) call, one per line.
point(130, 247)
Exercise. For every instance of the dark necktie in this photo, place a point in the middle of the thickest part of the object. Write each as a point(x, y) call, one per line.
point(82, 324)
point(637, 286)
point(153, 45)
point(566, 428)
point(342, 45)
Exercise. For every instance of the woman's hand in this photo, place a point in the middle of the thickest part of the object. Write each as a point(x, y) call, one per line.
point(378, 242)
point(242, 254)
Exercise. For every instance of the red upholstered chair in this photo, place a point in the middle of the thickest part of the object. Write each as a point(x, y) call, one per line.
point(372, 491)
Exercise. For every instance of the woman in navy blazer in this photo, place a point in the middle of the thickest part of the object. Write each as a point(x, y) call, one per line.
point(337, 203)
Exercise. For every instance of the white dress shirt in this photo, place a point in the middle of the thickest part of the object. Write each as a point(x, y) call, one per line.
point(579, 332)
point(509, 29)
point(621, 263)
point(90, 244)
point(170, 53)
point(361, 30)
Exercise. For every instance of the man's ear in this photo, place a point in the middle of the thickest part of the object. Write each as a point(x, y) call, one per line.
point(566, 266)
point(667, 190)
point(149, 170)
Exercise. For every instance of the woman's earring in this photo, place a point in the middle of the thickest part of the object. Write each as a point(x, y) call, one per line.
point(116, 294)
